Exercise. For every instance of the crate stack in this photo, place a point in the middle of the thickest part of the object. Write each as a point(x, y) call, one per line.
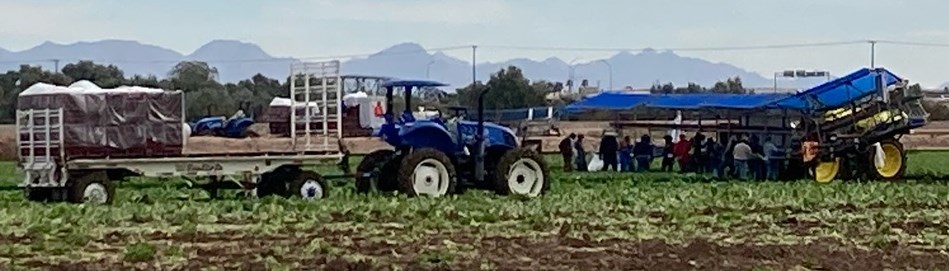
point(124, 122)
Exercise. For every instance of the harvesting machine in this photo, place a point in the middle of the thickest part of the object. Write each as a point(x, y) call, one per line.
point(437, 157)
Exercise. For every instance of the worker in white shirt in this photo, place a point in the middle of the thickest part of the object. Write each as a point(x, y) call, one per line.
point(742, 154)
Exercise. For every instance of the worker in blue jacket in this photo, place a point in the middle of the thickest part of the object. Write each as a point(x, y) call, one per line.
point(626, 154)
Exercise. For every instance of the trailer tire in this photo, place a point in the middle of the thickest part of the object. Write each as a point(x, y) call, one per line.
point(895, 161)
point(384, 164)
point(93, 187)
point(522, 172)
point(38, 194)
point(272, 184)
point(438, 177)
point(309, 185)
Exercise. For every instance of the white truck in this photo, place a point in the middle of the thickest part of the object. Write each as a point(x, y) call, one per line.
point(51, 175)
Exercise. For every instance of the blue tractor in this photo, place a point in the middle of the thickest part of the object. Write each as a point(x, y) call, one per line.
point(437, 157)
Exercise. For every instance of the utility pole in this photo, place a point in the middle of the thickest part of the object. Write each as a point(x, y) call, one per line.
point(474, 61)
point(873, 46)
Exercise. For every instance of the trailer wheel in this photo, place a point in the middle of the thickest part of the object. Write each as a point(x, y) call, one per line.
point(427, 172)
point(522, 172)
point(38, 194)
point(894, 161)
point(272, 184)
point(93, 187)
point(383, 166)
point(309, 185)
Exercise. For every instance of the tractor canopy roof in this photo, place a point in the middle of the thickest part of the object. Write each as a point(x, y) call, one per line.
point(412, 83)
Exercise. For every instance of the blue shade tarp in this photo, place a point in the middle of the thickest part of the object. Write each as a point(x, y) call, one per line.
point(839, 92)
point(609, 101)
point(742, 101)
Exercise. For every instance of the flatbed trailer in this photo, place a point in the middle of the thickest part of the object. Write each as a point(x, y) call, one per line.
point(51, 175)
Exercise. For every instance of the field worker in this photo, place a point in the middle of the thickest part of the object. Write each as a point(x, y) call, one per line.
point(714, 157)
point(756, 165)
point(609, 148)
point(668, 156)
point(643, 152)
point(566, 150)
point(743, 155)
point(771, 159)
point(698, 153)
point(681, 152)
point(581, 154)
point(729, 160)
point(626, 154)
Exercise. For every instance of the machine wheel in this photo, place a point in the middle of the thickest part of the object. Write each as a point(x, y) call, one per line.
point(272, 184)
point(93, 187)
point(39, 194)
point(825, 172)
point(427, 172)
point(522, 172)
point(894, 161)
point(384, 165)
point(309, 185)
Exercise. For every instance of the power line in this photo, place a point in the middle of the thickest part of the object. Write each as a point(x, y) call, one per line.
point(910, 43)
point(723, 48)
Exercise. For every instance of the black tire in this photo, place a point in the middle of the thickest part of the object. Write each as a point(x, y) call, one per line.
point(532, 160)
point(273, 184)
point(384, 166)
point(309, 179)
point(411, 161)
point(98, 181)
point(38, 194)
point(897, 146)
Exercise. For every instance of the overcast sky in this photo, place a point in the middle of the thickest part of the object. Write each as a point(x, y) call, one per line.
point(305, 28)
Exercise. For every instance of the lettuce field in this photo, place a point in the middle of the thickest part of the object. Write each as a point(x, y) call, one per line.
point(588, 221)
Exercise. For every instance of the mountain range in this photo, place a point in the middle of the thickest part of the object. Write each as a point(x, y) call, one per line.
point(237, 60)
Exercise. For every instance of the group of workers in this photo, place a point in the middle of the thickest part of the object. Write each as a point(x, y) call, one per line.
point(746, 157)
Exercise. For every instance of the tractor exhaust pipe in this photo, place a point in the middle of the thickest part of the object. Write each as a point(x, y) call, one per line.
point(479, 139)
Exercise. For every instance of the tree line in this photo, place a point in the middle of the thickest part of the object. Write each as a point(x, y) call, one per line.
point(206, 96)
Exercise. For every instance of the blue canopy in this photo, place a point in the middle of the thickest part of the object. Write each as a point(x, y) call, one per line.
point(830, 95)
point(840, 91)
point(609, 101)
point(412, 83)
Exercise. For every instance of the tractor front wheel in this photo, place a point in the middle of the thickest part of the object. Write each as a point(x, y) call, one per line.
point(379, 170)
point(522, 172)
point(427, 172)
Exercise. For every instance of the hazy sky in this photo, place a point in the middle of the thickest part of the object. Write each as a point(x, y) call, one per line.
point(301, 28)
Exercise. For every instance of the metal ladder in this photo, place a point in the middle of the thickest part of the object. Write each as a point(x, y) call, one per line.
point(316, 84)
point(40, 145)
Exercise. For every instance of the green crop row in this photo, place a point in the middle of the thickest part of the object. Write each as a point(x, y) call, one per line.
point(670, 207)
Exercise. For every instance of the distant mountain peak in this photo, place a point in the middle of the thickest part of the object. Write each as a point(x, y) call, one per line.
point(648, 51)
point(404, 48)
point(228, 49)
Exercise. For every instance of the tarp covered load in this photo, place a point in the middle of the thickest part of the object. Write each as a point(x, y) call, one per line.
point(123, 122)
point(356, 117)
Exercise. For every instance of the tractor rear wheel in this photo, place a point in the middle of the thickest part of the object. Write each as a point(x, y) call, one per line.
point(427, 172)
point(522, 172)
point(382, 166)
point(894, 161)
